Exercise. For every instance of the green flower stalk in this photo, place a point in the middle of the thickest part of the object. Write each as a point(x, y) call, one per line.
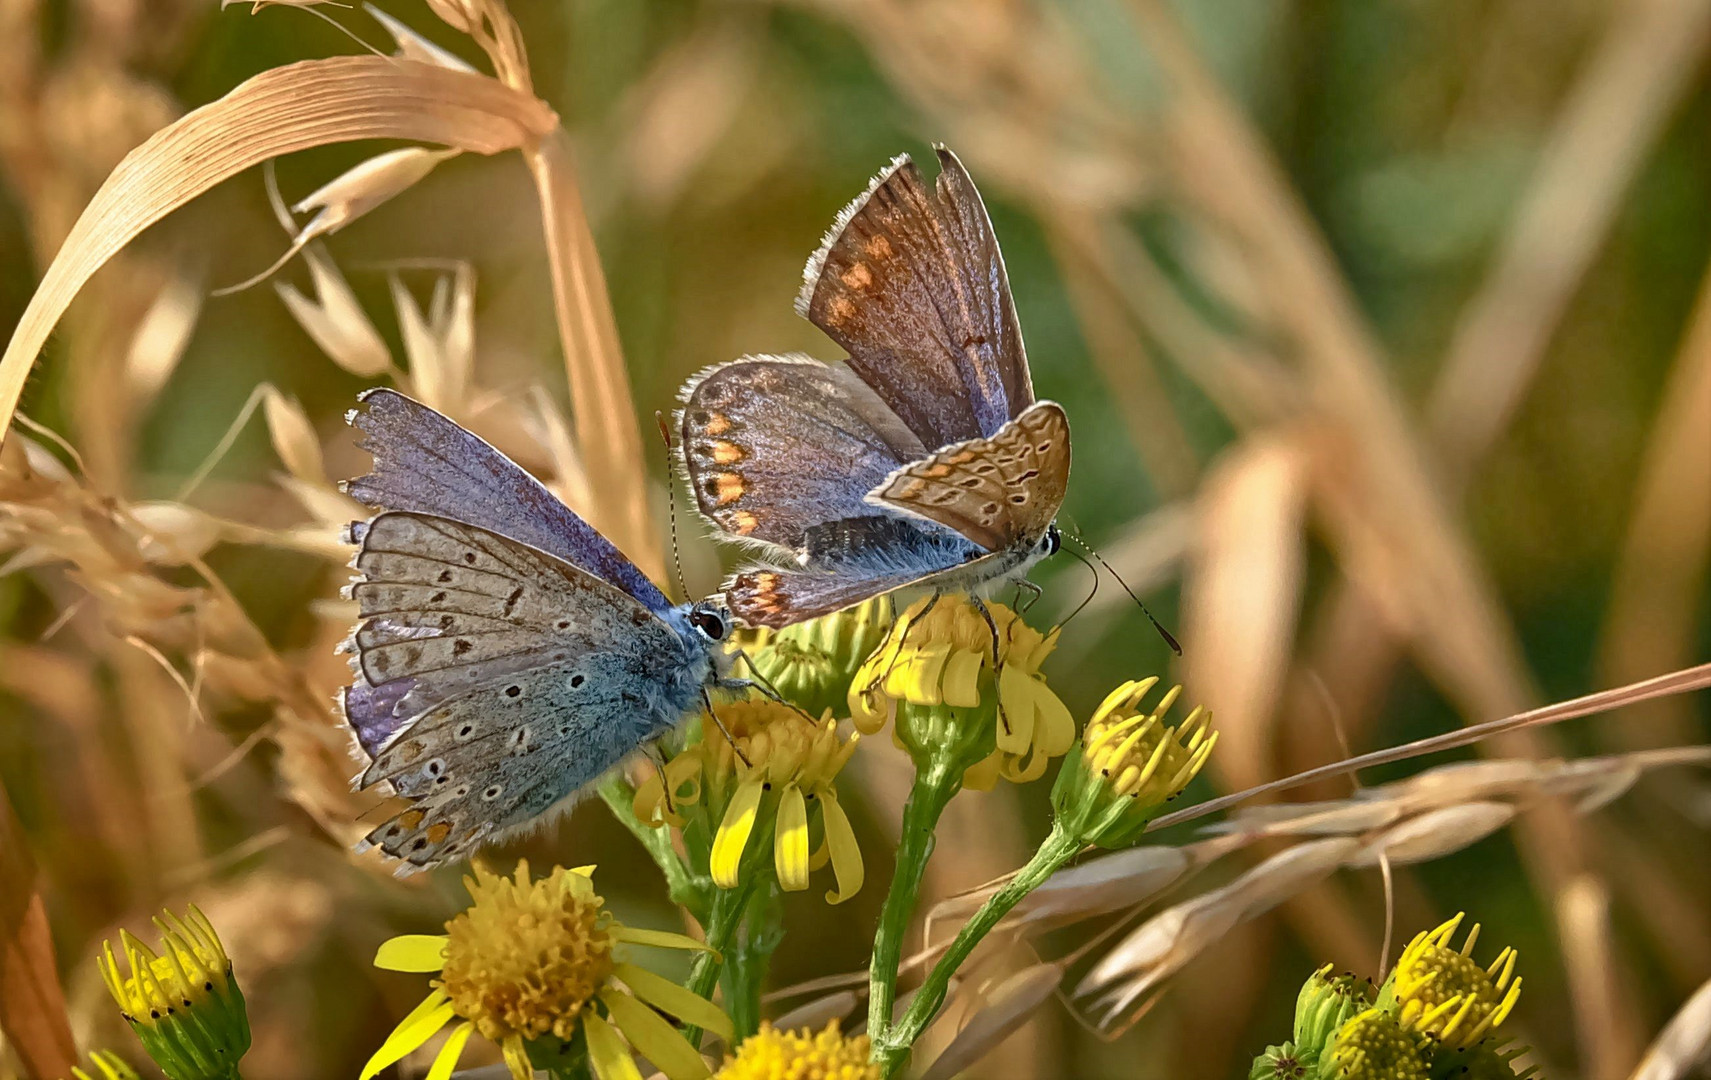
point(811, 663)
point(964, 720)
point(1126, 767)
point(184, 1005)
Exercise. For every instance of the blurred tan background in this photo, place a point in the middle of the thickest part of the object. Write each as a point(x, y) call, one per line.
point(1383, 329)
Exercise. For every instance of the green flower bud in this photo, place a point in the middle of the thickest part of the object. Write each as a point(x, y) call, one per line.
point(811, 663)
point(185, 1005)
point(1325, 1004)
point(1286, 1062)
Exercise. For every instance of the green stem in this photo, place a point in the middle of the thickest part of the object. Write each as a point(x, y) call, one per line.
point(891, 1049)
point(721, 926)
point(932, 792)
point(686, 889)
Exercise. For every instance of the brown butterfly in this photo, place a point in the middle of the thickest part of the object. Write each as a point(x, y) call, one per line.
point(921, 460)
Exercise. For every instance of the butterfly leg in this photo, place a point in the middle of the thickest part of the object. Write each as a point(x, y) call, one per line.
point(658, 759)
point(904, 636)
point(997, 655)
point(1034, 593)
point(707, 700)
point(764, 685)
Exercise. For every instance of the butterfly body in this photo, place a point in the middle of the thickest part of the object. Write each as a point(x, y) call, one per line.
point(922, 461)
point(498, 671)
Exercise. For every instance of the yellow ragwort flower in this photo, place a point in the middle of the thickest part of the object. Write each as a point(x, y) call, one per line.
point(1373, 1046)
point(935, 675)
point(786, 765)
point(1129, 765)
point(535, 960)
point(811, 663)
point(1440, 991)
point(770, 1054)
point(184, 1005)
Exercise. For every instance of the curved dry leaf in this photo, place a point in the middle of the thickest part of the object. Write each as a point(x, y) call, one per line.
point(296, 107)
point(1683, 1048)
point(1436, 833)
point(1006, 1006)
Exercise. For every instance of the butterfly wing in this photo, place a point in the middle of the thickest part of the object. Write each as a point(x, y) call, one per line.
point(1001, 493)
point(424, 462)
point(511, 679)
point(774, 445)
point(911, 283)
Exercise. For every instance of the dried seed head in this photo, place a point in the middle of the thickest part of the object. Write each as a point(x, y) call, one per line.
point(335, 320)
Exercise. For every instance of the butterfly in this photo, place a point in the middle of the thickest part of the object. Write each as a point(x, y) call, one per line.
point(508, 654)
point(921, 460)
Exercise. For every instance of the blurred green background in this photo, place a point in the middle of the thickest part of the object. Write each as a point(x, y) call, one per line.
point(1375, 323)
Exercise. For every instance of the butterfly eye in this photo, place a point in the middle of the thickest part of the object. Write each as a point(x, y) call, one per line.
point(1052, 541)
point(709, 623)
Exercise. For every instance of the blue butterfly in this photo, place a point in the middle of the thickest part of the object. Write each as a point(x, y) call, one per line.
point(508, 654)
point(923, 459)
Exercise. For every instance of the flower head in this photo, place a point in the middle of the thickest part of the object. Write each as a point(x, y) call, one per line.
point(1286, 1062)
point(184, 1005)
point(812, 662)
point(1325, 1004)
point(538, 960)
point(770, 1054)
point(1128, 765)
point(936, 674)
point(1440, 991)
point(783, 765)
point(1373, 1046)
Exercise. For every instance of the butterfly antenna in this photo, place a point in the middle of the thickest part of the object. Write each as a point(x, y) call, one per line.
point(1082, 559)
point(671, 502)
point(1168, 639)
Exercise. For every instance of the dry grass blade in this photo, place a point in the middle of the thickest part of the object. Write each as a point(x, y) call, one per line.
point(1676, 682)
point(32, 1005)
point(1610, 1036)
point(999, 1015)
point(1683, 1048)
point(816, 1014)
point(1436, 833)
point(281, 111)
point(603, 410)
point(1242, 597)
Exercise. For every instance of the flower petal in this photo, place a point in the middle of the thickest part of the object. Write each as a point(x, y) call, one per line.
point(663, 939)
point(679, 1001)
point(414, 1030)
point(733, 834)
point(846, 853)
point(1054, 730)
point(654, 1037)
point(790, 840)
point(446, 1060)
point(962, 679)
point(983, 774)
point(412, 952)
point(1016, 696)
point(517, 1058)
point(606, 1051)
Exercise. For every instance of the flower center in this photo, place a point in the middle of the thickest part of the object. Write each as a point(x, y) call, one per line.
point(769, 1054)
point(525, 958)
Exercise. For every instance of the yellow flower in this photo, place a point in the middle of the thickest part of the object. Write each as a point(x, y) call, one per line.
point(1373, 1046)
point(112, 1067)
point(184, 1005)
point(537, 960)
point(1441, 992)
point(770, 1054)
point(811, 663)
point(1129, 765)
point(787, 765)
point(935, 673)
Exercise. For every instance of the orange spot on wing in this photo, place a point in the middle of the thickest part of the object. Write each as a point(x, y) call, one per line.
point(858, 276)
point(438, 831)
point(728, 488)
point(936, 471)
point(411, 818)
point(718, 423)
point(877, 247)
point(727, 453)
point(841, 310)
point(743, 522)
point(961, 459)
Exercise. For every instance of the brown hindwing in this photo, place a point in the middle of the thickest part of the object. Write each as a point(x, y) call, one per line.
point(1000, 492)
